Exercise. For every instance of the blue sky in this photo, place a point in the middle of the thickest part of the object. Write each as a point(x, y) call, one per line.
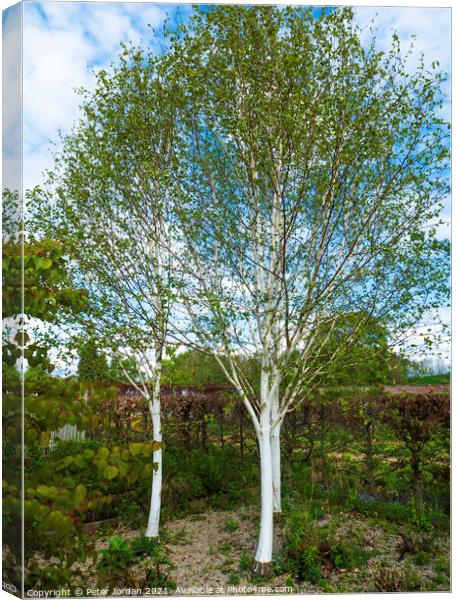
point(64, 41)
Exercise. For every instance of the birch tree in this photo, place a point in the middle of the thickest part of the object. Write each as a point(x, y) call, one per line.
point(106, 199)
point(310, 174)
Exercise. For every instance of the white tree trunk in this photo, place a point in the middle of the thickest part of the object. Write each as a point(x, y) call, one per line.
point(264, 554)
point(276, 464)
point(152, 529)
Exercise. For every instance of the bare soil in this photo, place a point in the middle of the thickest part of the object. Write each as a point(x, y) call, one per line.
point(206, 547)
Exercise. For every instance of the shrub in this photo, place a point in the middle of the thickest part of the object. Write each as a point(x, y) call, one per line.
point(397, 512)
point(216, 476)
point(118, 554)
point(348, 556)
point(115, 563)
point(301, 545)
point(115, 566)
point(441, 581)
point(158, 575)
point(309, 547)
point(442, 566)
point(144, 546)
point(130, 511)
point(416, 420)
point(372, 507)
point(310, 565)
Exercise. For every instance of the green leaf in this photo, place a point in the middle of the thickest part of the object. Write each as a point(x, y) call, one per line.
point(43, 490)
point(42, 263)
point(103, 453)
point(79, 461)
point(111, 472)
point(136, 448)
point(58, 522)
point(80, 494)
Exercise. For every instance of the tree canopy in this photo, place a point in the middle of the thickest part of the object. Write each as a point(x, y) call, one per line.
point(265, 192)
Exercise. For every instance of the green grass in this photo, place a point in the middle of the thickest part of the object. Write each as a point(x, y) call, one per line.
point(430, 379)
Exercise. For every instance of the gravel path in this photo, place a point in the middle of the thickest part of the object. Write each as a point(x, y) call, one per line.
point(207, 555)
point(211, 552)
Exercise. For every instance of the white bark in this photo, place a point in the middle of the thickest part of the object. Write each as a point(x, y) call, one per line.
point(152, 529)
point(264, 552)
point(275, 436)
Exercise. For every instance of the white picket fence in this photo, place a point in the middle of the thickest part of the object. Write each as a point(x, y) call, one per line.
point(67, 432)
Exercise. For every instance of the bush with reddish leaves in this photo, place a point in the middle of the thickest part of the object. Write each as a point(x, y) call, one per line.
point(417, 418)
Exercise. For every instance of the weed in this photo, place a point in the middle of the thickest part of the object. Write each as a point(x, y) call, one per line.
point(231, 526)
point(326, 586)
point(441, 580)
point(118, 554)
point(442, 566)
point(279, 565)
point(198, 517)
point(180, 537)
point(117, 560)
point(159, 574)
point(256, 580)
point(422, 558)
point(233, 579)
point(106, 529)
point(348, 556)
point(310, 568)
point(421, 520)
point(413, 579)
point(245, 561)
point(225, 548)
point(309, 547)
point(389, 579)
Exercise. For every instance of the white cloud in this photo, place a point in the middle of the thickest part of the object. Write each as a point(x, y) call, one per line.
point(54, 63)
point(431, 26)
point(63, 43)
